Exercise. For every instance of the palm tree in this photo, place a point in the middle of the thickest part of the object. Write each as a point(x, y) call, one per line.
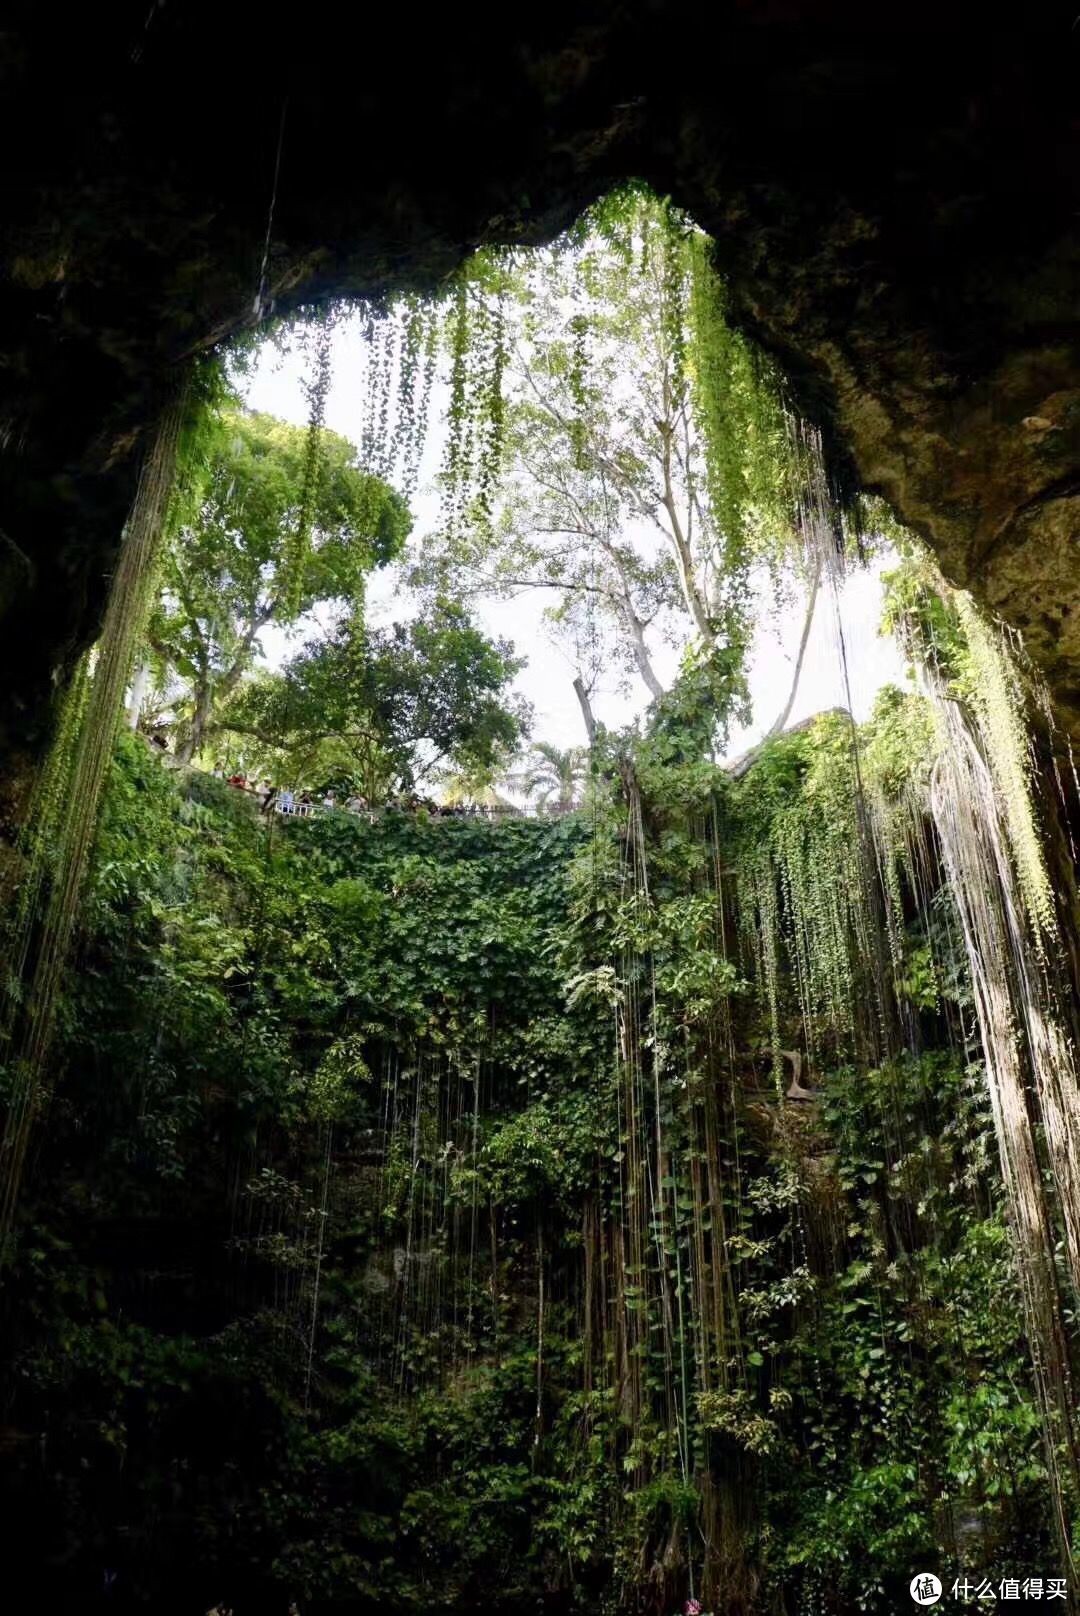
point(555, 776)
point(472, 788)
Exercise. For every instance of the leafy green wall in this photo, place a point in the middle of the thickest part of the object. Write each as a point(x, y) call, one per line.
point(420, 1223)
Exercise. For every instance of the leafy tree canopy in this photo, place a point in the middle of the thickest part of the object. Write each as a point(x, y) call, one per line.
point(383, 709)
point(276, 531)
point(614, 441)
point(556, 775)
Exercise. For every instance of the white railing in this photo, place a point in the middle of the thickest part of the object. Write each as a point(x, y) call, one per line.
point(306, 810)
point(290, 808)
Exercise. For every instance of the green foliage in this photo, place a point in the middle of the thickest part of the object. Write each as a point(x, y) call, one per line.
point(381, 709)
point(418, 1224)
point(973, 663)
point(802, 874)
point(232, 566)
point(612, 439)
point(737, 400)
point(907, 1344)
point(555, 775)
point(370, 1082)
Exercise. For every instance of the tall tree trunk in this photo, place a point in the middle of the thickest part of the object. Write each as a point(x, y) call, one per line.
point(138, 694)
point(636, 630)
point(200, 718)
point(800, 658)
point(684, 563)
point(209, 694)
point(586, 708)
point(684, 558)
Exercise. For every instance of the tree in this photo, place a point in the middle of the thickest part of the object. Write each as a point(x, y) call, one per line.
point(474, 788)
point(556, 774)
point(278, 529)
point(384, 709)
point(646, 462)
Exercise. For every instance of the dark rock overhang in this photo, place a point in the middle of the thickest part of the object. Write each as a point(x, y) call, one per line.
point(893, 192)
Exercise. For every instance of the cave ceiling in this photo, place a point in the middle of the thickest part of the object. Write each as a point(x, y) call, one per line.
point(893, 192)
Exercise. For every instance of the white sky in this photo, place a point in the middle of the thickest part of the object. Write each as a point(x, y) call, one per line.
point(275, 385)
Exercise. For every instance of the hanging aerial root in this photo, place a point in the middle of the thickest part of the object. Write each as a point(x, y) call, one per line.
point(1018, 1036)
point(74, 801)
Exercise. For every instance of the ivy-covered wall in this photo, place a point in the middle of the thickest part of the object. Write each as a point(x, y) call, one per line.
point(441, 1213)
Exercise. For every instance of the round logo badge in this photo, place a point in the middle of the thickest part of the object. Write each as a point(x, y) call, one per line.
point(925, 1588)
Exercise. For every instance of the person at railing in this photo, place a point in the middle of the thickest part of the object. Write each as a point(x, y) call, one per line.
point(286, 802)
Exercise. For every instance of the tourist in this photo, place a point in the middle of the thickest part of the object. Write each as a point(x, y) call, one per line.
point(286, 802)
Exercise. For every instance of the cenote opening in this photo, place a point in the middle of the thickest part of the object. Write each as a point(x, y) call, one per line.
point(539, 1024)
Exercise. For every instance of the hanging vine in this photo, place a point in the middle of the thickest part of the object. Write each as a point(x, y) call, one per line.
point(317, 388)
